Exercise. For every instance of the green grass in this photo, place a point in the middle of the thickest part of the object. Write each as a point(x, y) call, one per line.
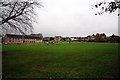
point(75, 60)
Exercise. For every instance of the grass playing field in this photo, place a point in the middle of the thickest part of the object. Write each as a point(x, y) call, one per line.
point(75, 60)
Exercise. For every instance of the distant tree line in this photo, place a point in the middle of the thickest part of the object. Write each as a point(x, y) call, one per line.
point(91, 38)
point(103, 38)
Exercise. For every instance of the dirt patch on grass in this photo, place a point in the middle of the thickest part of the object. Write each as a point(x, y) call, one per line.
point(5, 53)
point(86, 61)
point(38, 67)
point(109, 53)
point(9, 52)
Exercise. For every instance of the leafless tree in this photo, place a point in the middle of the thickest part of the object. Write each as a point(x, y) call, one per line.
point(107, 6)
point(18, 15)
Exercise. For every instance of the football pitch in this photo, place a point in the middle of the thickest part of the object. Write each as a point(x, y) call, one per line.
point(75, 60)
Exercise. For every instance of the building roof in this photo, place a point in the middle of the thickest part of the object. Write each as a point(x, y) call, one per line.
point(24, 36)
point(37, 34)
point(13, 35)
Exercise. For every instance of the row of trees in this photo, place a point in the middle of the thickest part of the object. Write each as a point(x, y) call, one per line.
point(103, 38)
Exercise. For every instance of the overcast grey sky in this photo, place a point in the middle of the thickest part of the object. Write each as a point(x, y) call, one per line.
point(73, 18)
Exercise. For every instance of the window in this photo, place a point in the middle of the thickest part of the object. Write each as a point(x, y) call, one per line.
point(13, 39)
point(10, 39)
point(16, 39)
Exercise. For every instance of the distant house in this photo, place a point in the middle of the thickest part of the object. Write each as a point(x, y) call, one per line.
point(12, 38)
point(63, 39)
point(115, 39)
point(67, 38)
point(57, 38)
point(72, 38)
point(46, 39)
point(75, 38)
point(104, 38)
point(101, 37)
point(91, 38)
point(84, 39)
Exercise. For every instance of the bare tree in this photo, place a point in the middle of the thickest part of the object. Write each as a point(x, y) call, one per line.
point(17, 15)
point(107, 6)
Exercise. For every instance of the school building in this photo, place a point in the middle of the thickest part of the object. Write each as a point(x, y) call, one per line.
point(33, 38)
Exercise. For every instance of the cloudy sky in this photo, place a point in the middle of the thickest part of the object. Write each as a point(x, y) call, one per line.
point(73, 18)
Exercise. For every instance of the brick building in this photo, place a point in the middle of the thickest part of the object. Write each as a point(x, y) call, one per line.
point(33, 38)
